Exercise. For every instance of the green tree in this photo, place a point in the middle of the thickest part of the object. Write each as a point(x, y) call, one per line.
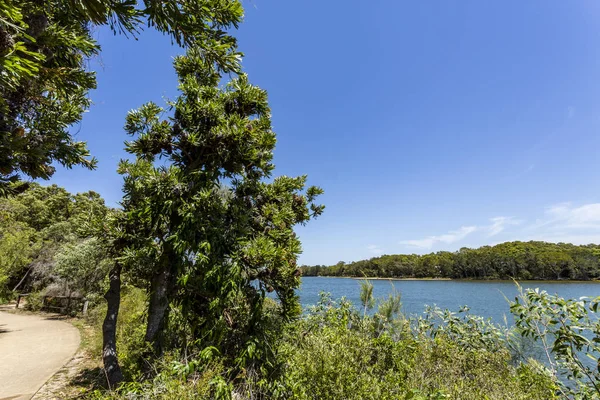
point(16, 253)
point(214, 234)
point(510, 260)
point(557, 264)
point(83, 266)
point(569, 331)
point(44, 82)
point(37, 224)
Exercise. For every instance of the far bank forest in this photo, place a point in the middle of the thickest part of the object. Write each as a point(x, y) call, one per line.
point(510, 260)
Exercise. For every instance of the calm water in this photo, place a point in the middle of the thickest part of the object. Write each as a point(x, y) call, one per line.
point(486, 299)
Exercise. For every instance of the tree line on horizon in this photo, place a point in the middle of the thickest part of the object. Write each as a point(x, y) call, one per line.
point(535, 260)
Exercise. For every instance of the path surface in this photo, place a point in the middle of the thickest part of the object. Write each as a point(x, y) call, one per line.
point(32, 349)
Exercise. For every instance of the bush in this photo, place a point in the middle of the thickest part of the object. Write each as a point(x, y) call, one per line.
point(335, 352)
point(569, 333)
point(169, 385)
point(34, 301)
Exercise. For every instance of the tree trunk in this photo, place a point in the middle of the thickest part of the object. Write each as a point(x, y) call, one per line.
point(160, 291)
point(109, 329)
point(23, 279)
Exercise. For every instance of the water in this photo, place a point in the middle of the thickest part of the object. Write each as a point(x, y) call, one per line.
point(485, 298)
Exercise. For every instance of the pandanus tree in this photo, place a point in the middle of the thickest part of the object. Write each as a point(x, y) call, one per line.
point(213, 229)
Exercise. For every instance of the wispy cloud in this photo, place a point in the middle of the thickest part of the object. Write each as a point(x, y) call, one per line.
point(585, 216)
point(447, 238)
point(496, 226)
point(571, 112)
point(499, 224)
point(374, 249)
point(563, 222)
point(567, 223)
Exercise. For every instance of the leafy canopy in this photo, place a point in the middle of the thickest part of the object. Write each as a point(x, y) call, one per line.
point(201, 197)
point(44, 241)
point(44, 82)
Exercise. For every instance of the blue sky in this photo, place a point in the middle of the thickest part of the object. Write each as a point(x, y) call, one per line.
point(431, 125)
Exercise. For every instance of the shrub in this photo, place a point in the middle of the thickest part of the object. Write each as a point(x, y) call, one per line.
point(34, 301)
point(569, 332)
point(335, 354)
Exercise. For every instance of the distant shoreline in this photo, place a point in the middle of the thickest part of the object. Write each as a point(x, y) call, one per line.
point(458, 280)
point(385, 279)
point(397, 279)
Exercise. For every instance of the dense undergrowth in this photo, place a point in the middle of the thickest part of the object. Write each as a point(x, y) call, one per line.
point(337, 351)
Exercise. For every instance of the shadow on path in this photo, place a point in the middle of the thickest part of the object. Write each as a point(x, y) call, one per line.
point(56, 317)
point(4, 330)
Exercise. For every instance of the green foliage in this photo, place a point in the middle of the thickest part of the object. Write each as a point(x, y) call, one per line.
point(43, 89)
point(42, 227)
point(334, 353)
point(366, 295)
point(511, 260)
point(16, 252)
point(212, 235)
point(130, 331)
point(569, 331)
point(44, 82)
point(35, 301)
point(389, 309)
point(84, 266)
point(205, 385)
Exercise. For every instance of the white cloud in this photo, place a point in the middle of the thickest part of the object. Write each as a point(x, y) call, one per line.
point(447, 238)
point(571, 112)
point(373, 248)
point(496, 226)
point(561, 222)
point(587, 215)
point(499, 224)
point(564, 222)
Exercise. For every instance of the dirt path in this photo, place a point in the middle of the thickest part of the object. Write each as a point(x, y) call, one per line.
point(32, 349)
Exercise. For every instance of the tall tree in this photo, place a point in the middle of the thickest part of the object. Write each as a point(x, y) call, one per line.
point(219, 236)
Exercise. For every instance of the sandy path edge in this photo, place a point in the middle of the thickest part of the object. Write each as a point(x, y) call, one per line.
point(32, 349)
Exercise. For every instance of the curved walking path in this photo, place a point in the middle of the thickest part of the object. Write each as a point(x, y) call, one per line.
point(32, 349)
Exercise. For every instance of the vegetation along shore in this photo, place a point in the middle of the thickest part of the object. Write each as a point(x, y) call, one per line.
point(511, 260)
